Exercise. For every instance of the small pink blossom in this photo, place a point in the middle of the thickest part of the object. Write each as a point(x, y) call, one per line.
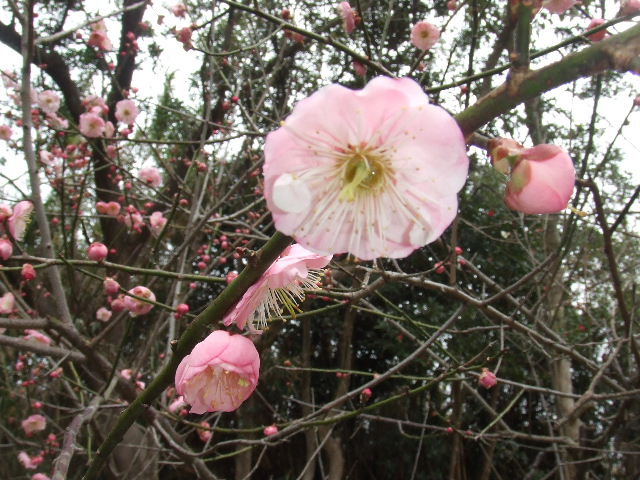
point(91, 125)
point(365, 395)
point(184, 36)
point(179, 10)
point(139, 307)
point(17, 223)
point(5, 212)
point(5, 132)
point(97, 252)
point(270, 430)
point(598, 36)
point(219, 374)
point(376, 175)
point(126, 111)
point(109, 130)
point(349, 17)
point(629, 7)
point(177, 405)
point(111, 287)
point(40, 476)
point(34, 423)
point(7, 303)
point(98, 37)
point(108, 208)
point(487, 378)
point(30, 463)
point(6, 248)
point(151, 176)
point(181, 310)
point(558, 6)
point(103, 314)
point(57, 122)
point(360, 68)
point(157, 222)
point(92, 101)
point(49, 101)
point(284, 281)
point(28, 273)
point(542, 181)
point(36, 336)
point(205, 433)
point(424, 35)
point(133, 220)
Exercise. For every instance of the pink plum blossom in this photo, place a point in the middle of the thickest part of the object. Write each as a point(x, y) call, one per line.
point(18, 221)
point(49, 101)
point(28, 273)
point(34, 423)
point(7, 303)
point(348, 15)
point(133, 220)
point(283, 282)
point(487, 378)
point(108, 208)
point(111, 287)
point(126, 111)
point(270, 430)
point(598, 36)
point(57, 122)
point(151, 176)
point(184, 36)
point(359, 68)
point(40, 476)
point(558, 6)
point(5, 132)
point(5, 211)
point(109, 130)
point(424, 35)
point(139, 306)
point(91, 125)
point(157, 222)
point(103, 314)
point(92, 101)
point(179, 10)
point(205, 433)
point(177, 405)
point(541, 181)
point(376, 175)
point(97, 252)
point(629, 6)
point(98, 37)
point(219, 374)
point(36, 336)
point(6, 248)
point(30, 463)
point(127, 374)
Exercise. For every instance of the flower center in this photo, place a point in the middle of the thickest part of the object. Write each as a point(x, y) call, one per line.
point(363, 171)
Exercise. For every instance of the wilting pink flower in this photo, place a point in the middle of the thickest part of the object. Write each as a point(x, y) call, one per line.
point(157, 222)
point(126, 111)
point(5, 212)
point(139, 307)
point(598, 36)
point(40, 476)
point(348, 15)
point(487, 378)
point(184, 36)
point(270, 430)
point(17, 223)
point(282, 283)
point(97, 252)
point(33, 424)
point(541, 181)
point(629, 6)
point(36, 336)
point(108, 208)
point(28, 273)
point(219, 374)
point(30, 463)
point(179, 10)
point(376, 175)
point(111, 287)
point(558, 6)
point(49, 101)
point(424, 35)
point(204, 433)
point(103, 314)
point(91, 125)
point(6, 248)
point(5, 132)
point(151, 176)
point(7, 303)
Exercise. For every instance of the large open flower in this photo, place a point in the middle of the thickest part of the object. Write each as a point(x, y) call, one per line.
point(280, 287)
point(373, 172)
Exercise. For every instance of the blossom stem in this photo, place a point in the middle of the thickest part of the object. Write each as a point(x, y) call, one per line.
point(212, 314)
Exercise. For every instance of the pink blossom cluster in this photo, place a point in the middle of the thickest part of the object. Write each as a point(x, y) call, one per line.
point(99, 38)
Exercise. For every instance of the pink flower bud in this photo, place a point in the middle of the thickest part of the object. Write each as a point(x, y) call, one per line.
point(97, 252)
point(365, 395)
point(598, 36)
point(5, 212)
point(349, 17)
point(28, 272)
point(204, 433)
point(182, 309)
point(487, 378)
point(6, 248)
point(118, 305)
point(270, 430)
point(111, 287)
point(219, 374)
point(103, 314)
